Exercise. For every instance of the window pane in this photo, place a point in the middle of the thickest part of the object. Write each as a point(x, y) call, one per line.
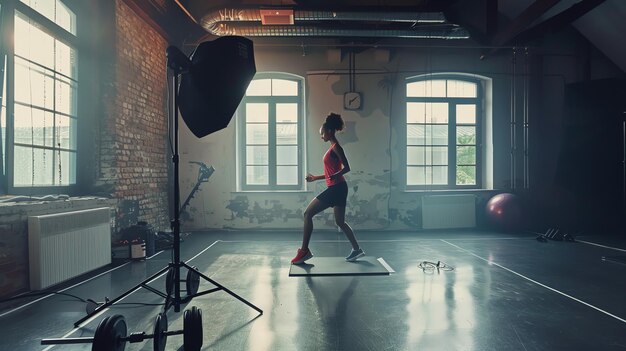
point(437, 113)
point(427, 155)
point(257, 112)
point(259, 87)
point(287, 175)
point(287, 113)
point(286, 134)
point(33, 43)
point(458, 88)
point(427, 175)
point(415, 112)
point(437, 135)
point(440, 175)
point(427, 134)
point(45, 7)
point(466, 135)
point(65, 60)
point(437, 156)
point(257, 175)
point(416, 89)
point(421, 112)
point(257, 155)
point(33, 126)
point(416, 175)
point(466, 114)
point(66, 97)
point(436, 88)
point(415, 134)
point(466, 175)
point(415, 155)
point(286, 155)
point(32, 166)
point(32, 86)
point(256, 134)
point(66, 132)
point(65, 18)
point(55, 11)
point(427, 88)
point(466, 155)
point(68, 168)
point(282, 87)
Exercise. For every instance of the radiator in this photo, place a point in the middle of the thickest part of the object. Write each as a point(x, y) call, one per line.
point(448, 211)
point(64, 245)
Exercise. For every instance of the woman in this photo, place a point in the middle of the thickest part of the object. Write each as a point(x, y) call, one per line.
point(335, 166)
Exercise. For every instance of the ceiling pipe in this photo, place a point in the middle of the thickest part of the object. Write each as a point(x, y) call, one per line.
point(311, 23)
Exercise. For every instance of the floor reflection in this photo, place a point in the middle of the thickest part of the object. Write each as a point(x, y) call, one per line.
point(438, 304)
point(328, 318)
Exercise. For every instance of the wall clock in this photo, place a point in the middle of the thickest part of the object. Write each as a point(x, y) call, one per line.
point(352, 100)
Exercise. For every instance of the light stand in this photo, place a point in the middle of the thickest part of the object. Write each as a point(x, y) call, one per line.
point(112, 329)
point(179, 64)
point(174, 62)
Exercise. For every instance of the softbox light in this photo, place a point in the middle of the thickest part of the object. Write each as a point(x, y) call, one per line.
point(215, 83)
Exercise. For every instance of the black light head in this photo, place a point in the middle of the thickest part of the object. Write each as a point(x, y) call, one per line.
point(214, 85)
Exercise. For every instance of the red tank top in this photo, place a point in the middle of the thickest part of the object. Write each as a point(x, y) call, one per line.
point(332, 165)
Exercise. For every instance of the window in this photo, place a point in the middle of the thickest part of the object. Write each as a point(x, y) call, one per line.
point(39, 118)
point(270, 133)
point(443, 133)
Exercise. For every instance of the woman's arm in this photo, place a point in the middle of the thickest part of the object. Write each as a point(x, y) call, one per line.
point(310, 178)
point(338, 150)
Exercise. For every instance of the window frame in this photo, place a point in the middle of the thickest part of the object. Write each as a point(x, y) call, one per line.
point(7, 54)
point(452, 127)
point(272, 145)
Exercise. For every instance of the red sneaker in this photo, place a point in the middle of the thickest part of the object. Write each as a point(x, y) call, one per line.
point(302, 256)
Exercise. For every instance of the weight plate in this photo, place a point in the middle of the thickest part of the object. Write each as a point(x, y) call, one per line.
point(193, 281)
point(169, 281)
point(91, 306)
point(192, 329)
point(160, 327)
point(110, 334)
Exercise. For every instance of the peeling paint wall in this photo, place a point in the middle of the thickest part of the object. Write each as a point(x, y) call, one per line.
point(373, 139)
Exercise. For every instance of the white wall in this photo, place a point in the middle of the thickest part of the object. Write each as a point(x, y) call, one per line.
point(372, 140)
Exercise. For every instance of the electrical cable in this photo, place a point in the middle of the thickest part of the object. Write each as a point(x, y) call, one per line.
point(430, 267)
point(44, 292)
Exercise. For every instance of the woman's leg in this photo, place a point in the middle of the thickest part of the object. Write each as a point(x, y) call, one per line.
point(340, 220)
point(316, 206)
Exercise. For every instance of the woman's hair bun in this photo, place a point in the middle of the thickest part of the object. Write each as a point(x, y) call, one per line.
point(333, 122)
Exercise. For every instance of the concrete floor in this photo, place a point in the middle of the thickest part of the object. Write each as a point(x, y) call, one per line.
point(507, 292)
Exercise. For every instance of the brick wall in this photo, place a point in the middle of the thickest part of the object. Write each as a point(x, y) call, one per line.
point(133, 142)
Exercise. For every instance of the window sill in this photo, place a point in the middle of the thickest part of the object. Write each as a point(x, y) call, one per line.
point(271, 191)
point(450, 191)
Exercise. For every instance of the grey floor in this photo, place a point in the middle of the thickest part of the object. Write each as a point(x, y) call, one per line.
point(507, 292)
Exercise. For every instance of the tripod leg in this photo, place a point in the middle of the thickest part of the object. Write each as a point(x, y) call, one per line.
point(128, 292)
point(225, 289)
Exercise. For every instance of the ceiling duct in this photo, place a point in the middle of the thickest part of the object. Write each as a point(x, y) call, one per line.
point(310, 23)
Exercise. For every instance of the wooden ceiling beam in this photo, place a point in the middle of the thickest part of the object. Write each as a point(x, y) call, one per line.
point(557, 22)
point(521, 22)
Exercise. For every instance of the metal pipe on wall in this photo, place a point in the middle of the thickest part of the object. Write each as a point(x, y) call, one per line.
point(624, 167)
point(513, 123)
point(525, 129)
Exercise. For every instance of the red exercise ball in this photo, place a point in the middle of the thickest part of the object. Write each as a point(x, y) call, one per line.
point(504, 211)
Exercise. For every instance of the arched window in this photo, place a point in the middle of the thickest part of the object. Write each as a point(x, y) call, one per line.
point(270, 133)
point(443, 132)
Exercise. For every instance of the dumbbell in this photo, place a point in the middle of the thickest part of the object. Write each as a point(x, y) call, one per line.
point(111, 333)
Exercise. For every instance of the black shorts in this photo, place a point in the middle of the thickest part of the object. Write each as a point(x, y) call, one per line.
point(335, 195)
